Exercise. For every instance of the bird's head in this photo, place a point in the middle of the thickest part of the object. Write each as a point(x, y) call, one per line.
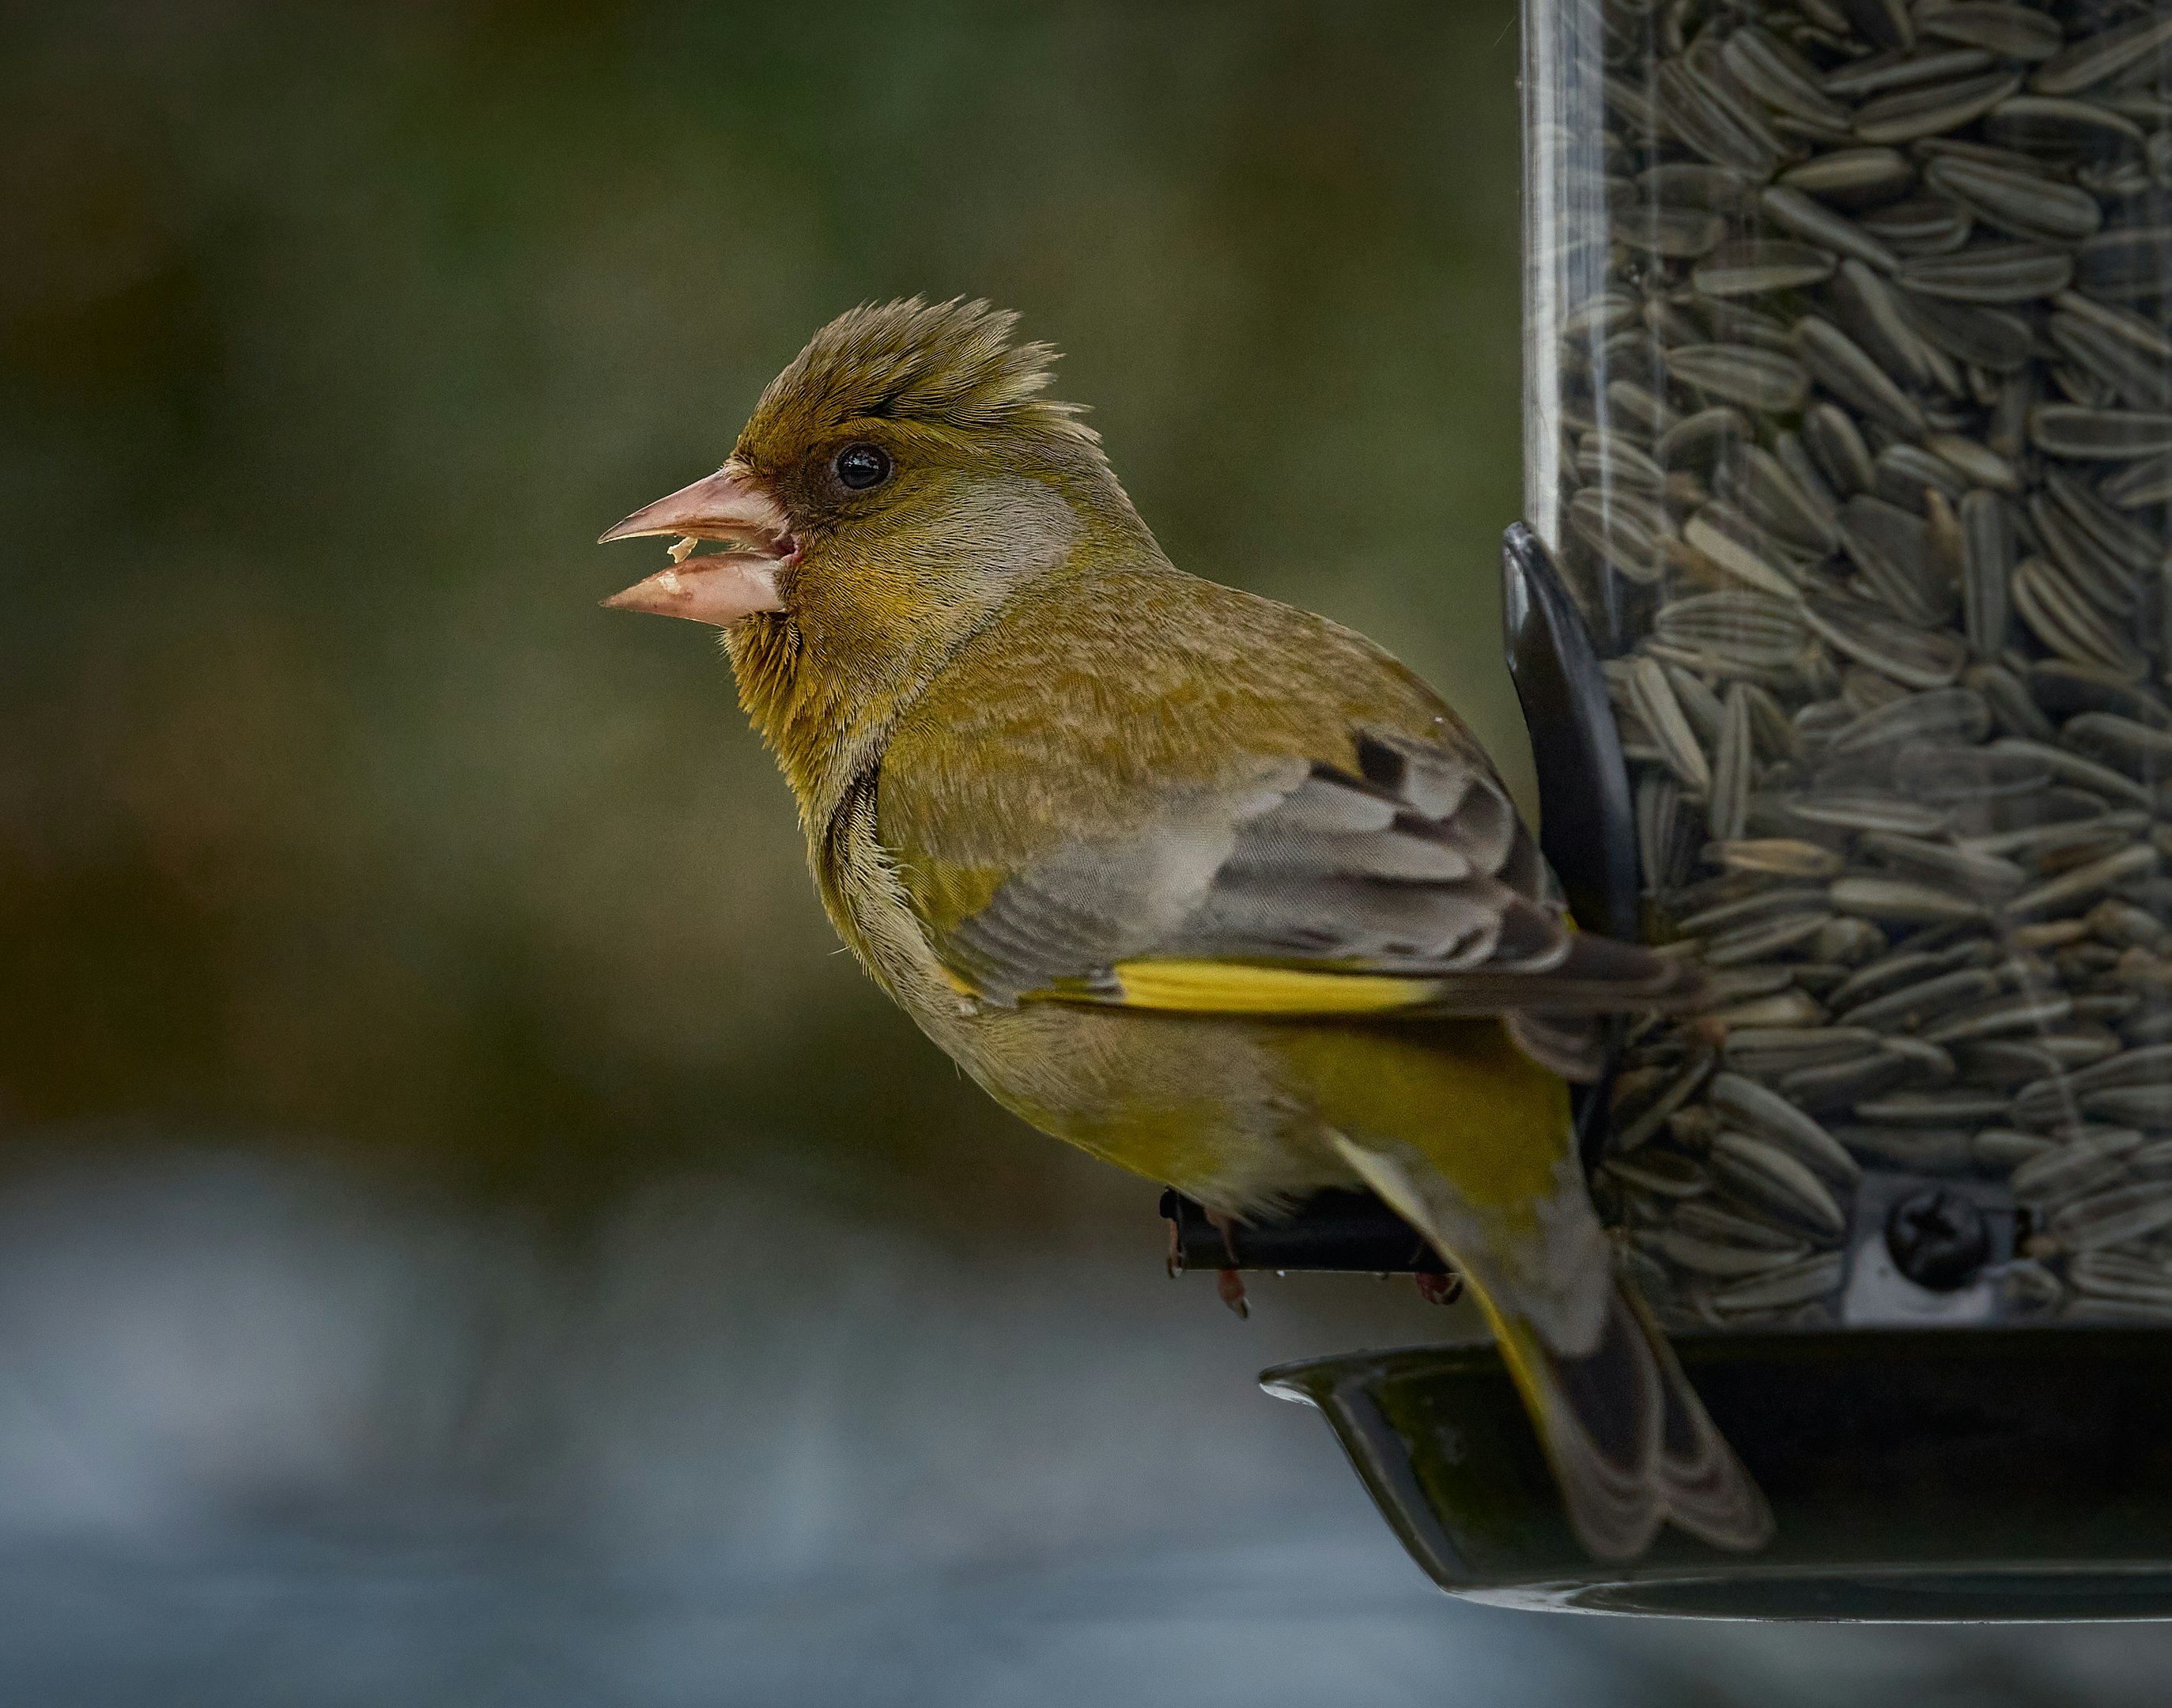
point(897, 483)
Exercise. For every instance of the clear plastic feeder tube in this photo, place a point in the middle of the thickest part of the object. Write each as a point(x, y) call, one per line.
point(1849, 422)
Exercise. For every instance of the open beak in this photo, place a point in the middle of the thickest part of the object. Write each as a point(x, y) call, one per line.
point(723, 588)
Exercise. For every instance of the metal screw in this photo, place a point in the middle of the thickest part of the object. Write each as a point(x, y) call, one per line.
point(1939, 1238)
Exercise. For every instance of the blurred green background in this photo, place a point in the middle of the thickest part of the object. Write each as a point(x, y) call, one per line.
point(334, 812)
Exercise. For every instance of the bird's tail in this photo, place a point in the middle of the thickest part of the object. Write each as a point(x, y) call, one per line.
point(1628, 1439)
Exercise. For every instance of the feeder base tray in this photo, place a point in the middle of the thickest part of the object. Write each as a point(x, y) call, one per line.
point(1975, 1475)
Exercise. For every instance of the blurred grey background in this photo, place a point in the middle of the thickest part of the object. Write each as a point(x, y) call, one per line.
point(465, 1236)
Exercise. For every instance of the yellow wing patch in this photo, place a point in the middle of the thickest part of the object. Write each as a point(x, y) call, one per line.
point(1239, 987)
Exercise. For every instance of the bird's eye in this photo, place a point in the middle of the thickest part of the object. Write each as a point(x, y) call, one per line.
point(862, 466)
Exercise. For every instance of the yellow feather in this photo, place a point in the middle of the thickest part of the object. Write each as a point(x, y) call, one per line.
point(1238, 987)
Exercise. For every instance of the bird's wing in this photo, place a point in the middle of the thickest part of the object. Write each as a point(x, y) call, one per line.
point(1408, 885)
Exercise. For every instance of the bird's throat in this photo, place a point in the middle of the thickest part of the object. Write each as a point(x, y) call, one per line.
point(826, 727)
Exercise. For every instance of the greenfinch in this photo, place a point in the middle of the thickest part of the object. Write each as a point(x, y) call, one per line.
point(1207, 885)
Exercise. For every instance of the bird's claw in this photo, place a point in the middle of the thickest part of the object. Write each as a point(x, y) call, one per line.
point(1440, 1289)
point(1230, 1286)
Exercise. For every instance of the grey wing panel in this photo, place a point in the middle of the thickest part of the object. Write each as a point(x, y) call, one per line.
point(1418, 865)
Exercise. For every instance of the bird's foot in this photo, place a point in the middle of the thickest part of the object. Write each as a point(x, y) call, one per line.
point(1227, 1282)
point(1230, 1286)
point(1440, 1289)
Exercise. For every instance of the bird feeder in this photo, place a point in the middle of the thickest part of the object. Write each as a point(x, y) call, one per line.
point(1843, 628)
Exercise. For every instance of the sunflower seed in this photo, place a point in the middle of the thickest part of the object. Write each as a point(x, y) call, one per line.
point(1715, 1258)
point(2024, 1011)
point(1842, 366)
point(1672, 232)
point(1868, 812)
point(2114, 1217)
point(1981, 874)
point(1759, 379)
point(1990, 272)
point(2069, 890)
point(1761, 902)
point(2054, 843)
point(2074, 1166)
point(1838, 1086)
point(1910, 476)
point(1756, 627)
point(2101, 55)
point(2066, 690)
point(1646, 1124)
point(1921, 226)
point(1761, 941)
point(1797, 1284)
point(1702, 1219)
point(1901, 901)
point(1689, 184)
point(1964, 1108)
point(1837, 444)
point(2134, 378)
point(1699, 441)
point(1761, 1052)
point(2002, 1150)
point(2107, 1284)
point(1909, 654)
point(1912, 1004)
point(1622, 527)
point(1704, 122)
point(2138, 748)
point(2023, 204)
point(1663, 1174)
point(1730, 772)
point(1906, 114)
point(1986, 565)
point(2083, 563)
point(1976, 463)
point(1783, 857)
point(2125, 263)
point(1770, 496)
point(1638, 407)
point(1775, 1180)
point(1853, 177)
point(1882, 22)
point(1761, 265)
point(1910, 1150)
point(1811, 220)
point(1653, 697)
point(2142, 1106)
point(2067, 623)
point(1744, 1105)
point(2011, 32)
point(1699, 704)
point(2123, 323)
point(1994, 339)
point(1778, 76)
point(2011, 708)
point(2057, 128)
point(1736, 546)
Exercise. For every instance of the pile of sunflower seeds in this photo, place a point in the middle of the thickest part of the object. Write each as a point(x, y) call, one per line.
point(1855, 383)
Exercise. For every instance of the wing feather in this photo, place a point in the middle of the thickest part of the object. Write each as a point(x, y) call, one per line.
point(1405, 885)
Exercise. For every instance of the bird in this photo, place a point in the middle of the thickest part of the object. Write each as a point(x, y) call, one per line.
point(1211, 887)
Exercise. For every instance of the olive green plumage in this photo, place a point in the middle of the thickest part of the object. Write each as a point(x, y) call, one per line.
point(1204, 884)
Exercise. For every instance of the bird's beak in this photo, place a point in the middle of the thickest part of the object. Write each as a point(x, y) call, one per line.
point(724, 587)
